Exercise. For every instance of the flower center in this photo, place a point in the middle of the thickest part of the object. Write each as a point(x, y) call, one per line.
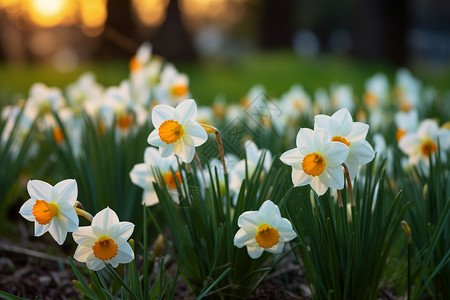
point(44, 212)
point(58, 135)
point(169, 179)
point(341, 139)
point(313, 164)
point(399, 134)
point(105, 248)
point(124, 121)
point(135, 64)
point(170, 131)
point(428, 147)
point(179, 90)
point(267, 236)
point(371, 99)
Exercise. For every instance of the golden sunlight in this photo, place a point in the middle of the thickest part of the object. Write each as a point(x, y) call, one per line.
point(50, 13)
point(151, 12)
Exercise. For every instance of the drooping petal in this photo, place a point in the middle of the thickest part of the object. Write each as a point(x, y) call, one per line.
point(318, 186)
point(58, 230)
point(40, 190)
point(67, 190)
point(95, 264)
point(255, 252)
point(186, 153)
point(40, 229)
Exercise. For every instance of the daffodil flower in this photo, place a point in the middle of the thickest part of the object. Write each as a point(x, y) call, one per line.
point(142, 175)
point(419, 145)
point(176, 131)
point(51, 208)
point(342, 129)
point(317, 160)
point(263, 230)
point(104, 242)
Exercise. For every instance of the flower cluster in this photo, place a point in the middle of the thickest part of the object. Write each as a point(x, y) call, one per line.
point(54, 209)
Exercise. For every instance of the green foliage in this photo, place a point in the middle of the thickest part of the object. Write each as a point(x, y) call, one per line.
point(13, 157)
point(210, 220)
point(102, 168)
point(429, 193)
point(344, 249)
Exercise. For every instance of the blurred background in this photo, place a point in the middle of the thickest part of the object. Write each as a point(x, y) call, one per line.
point(276, 43)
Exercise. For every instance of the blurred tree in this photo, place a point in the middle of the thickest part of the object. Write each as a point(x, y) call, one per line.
point(118, 38)
point(276, 28)
point(172, 40)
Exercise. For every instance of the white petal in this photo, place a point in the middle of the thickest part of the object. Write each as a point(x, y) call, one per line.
point(58, 230)
point(243, 238)
point(151, 156)
point(343, 120)
point(321, 121)
point(40, 229)
point(141, 175)
point(85, 236)
point(154, 139)
point(67, 190)
point(166, 150)
point(285, 230)
point(318, 186)
point(40, 190)
point(95, 264)
point(363, 152)
point(428, 128)
point(186, 152)
point(276, 248)
point(125, 229)
point(197, 133)
point(255, 252)
point(82, 253)
point(409, 143)
point(300, 178)
point(105, 219)
point(269, 211)
point(336, 155)
point(70, 216)
point(187, 111)
point(27, 209)
point(333, 178)
point(291, 157)
point(249, 221)
point(358, 133)
point(305, 137)
point(161, 113)
point(124, 254)
point(150, 198)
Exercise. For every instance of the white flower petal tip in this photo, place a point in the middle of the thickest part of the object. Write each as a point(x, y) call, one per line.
point(176, 131)
point(263, 230)
point(104, 242)
point(51, 208)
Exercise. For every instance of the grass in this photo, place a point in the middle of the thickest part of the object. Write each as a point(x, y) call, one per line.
point(232, 78)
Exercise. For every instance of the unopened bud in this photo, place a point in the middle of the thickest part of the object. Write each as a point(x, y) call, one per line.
point(407, 231)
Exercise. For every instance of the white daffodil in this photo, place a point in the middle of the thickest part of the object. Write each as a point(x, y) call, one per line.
point(142, 175)
point(85, 94)
point(254, 155)
point(173, 86)
point(296, 102)
point(406, 122)
point(342, 96)
point(407, 90)
point(263, 229)
point(51, 208)
point(104, 242)
point(317, 160)
point(419, 145)
point(176, 131)
point(342, 129)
